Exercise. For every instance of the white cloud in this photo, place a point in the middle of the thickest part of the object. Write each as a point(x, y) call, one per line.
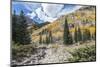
point(68, 10)
point(42, 16)
point(31, 15)
point(50, 12)
point(47, 12)
point(51, 9)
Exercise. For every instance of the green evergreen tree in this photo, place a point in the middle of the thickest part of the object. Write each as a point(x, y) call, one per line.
point(40, 41)
point(21, 33)
point(94, 36)
point(83, 37)
point(79, 34)
point(75, 35)
point(25, 36)
point(67, 36)
point(47, 39)
point(50, 37)
point(14, 27)
point(88, 35)
point(43, 41)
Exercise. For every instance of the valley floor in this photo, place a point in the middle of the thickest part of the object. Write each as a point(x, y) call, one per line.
point(53, 53)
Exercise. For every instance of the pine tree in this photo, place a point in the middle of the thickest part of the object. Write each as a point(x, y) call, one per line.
point(83, 36)
point(67, 36)
point(40, 41)
point(79, 34)
point(70, 39)
point(50, 37)
point(75, 35)
point(22, 34)
point(43, 41)
point(88, 35)
point(47, 39)
point(94, 36)
point(14, 27)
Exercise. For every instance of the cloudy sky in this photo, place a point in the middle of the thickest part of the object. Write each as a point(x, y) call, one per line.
point(42, 12)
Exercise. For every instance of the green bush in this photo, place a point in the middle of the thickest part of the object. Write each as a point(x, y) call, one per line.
point(87, 53)
point(21, 51)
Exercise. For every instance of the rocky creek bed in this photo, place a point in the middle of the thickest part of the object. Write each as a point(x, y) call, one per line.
point(51, 54)
point(45, 55)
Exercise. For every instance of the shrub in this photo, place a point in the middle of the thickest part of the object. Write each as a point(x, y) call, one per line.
point(87, 53)
point(19, 52)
